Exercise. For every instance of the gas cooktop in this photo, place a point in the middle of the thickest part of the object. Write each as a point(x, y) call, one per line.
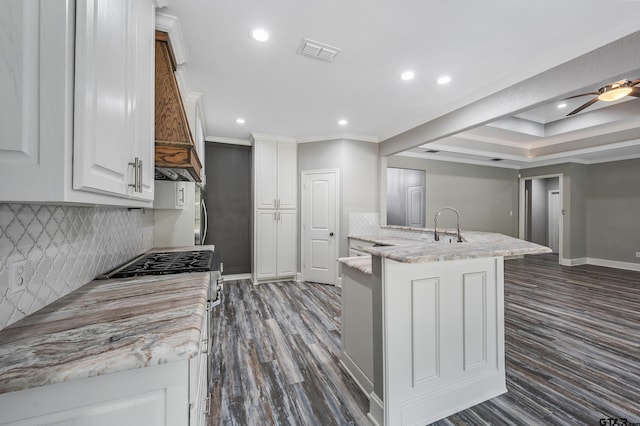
point(165, 263)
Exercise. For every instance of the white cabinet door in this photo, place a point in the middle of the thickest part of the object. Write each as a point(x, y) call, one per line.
point(276, 172)
point(143, 107)
point(104, 85)
point(286, 245)
point(266, 181)
point(113, 115)
point(37, 108)
point(287, 189)
point(266, 240)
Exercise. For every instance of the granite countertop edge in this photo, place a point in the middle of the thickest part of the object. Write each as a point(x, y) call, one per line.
point(476, 245)
point(106, 326)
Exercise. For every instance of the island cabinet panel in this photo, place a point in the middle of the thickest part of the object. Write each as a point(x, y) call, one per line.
point(443, 342)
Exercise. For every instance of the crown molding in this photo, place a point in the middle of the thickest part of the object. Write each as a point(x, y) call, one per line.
point(271, 138)
point(363, 138)
point(228, 141)
point(170, 25)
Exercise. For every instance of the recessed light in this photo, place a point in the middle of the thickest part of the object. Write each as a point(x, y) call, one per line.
point(562, 105)
point(343, 122)
point(260, 35)
point(407, 75)
point(445, 79)
point(240, 120)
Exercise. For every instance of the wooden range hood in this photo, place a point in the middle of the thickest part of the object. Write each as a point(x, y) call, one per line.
point(175, 148)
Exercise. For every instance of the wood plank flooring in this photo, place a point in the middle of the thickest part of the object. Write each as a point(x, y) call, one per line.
point(572, 352)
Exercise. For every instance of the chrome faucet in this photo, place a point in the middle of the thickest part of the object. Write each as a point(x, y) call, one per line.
point(435, 223)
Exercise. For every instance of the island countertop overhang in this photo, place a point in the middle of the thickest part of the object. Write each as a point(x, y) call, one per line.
point(475, 245)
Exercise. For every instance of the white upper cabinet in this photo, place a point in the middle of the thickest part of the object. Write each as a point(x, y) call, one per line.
point(114, 81)
point(276, 170)
point(55, 148)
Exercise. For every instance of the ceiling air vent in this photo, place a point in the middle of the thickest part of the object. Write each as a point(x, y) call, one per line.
point(497, 159)
point(431, 151)
point(316, 50)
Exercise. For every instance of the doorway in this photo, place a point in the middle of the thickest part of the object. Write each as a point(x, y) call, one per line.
point(320, 226)
point(405, 197)
point(541, 217)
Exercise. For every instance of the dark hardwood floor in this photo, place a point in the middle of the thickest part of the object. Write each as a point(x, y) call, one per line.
point(572, 352)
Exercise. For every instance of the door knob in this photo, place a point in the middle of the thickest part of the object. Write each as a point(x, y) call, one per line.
point(331, 234)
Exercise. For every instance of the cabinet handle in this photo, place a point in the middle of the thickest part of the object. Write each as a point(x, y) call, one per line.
point(278, 216)
point(278, 202)
point(205, 342)
point(137, 175)
point(208, 410)
point(275, 217)
point(181, 195)
point(275, 203)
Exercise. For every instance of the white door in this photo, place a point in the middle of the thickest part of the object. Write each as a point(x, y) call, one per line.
point(554, 221)
point(319, 226)
point(415, 206)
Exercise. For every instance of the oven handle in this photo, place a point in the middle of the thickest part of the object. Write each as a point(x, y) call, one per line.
point(205, 220)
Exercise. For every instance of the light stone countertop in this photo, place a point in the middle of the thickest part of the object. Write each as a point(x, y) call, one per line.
point(360, 263)
point(104, 327)
point(475, 245)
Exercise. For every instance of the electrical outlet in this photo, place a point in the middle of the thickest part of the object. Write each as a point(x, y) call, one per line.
point(17, 281)
point(221, 267)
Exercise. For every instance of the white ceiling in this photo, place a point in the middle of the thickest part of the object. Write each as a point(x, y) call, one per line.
point(484, 46)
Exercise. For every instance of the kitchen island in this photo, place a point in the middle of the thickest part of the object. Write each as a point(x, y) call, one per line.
point(436, 322)
point(120, 351)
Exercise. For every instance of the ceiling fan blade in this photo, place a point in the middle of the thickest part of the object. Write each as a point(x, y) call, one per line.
point(635, 92)
point(582, 94)
point(583, 106)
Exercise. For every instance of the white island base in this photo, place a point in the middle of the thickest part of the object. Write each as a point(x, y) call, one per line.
point(438, 337)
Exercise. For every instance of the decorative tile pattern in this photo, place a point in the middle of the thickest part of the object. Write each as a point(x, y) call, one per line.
point(362, 223)
point(63, 248)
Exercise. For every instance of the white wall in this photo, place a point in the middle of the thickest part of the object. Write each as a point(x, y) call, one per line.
point(357, 162)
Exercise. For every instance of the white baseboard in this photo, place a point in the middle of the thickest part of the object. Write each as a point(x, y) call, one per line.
point(339, 282)
point(613, 264)
point(573, 262)
point(376, 410)
point(629, 266)
point(235, 277)
point(361, 379)
point(299, 277)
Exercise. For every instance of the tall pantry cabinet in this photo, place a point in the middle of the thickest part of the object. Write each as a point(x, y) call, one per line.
point(275, 237)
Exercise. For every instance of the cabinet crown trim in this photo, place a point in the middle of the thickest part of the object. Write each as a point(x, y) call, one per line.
point(261, 137)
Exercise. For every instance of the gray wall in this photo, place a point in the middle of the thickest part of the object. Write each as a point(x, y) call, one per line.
point(613, 210)
point(357, 163)
point(486, 197)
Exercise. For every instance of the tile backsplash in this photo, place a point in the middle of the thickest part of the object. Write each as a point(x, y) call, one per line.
point(60, 248)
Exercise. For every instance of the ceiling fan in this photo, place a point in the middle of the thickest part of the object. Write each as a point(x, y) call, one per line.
point(610, 92)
